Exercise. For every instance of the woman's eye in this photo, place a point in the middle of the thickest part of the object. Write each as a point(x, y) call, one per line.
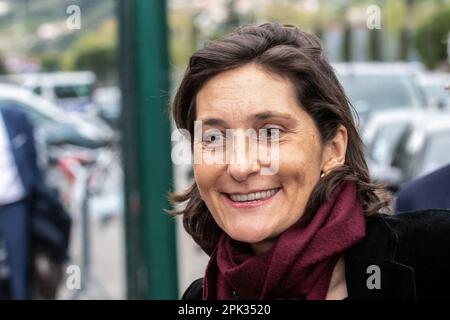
point(269, 134)
point(214, 138)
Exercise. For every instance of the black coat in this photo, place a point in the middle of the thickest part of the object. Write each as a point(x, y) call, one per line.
point(411, 250)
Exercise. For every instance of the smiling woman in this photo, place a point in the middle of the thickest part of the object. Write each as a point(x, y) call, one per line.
point(229, 190)
point(295, 231)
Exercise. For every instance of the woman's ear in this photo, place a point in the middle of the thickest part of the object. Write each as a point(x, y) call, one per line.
point(335, 150)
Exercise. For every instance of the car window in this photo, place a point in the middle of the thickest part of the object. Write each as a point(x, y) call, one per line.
point(405, 152)
point(72, 91)
point(381, 92)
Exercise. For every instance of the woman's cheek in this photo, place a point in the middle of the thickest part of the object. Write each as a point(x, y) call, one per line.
point(207, 177)
point(201, 178)
point(291, 160)
point(297, 172)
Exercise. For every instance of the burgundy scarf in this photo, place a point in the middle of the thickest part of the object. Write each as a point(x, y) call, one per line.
point(299, 265)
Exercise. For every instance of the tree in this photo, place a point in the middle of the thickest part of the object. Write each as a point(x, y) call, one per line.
point(2, 66)
point(50, 61)
point(346, 51)
point(431, 38)
point(97, 52)
point(101, 60)
point(404, 44)
point(375, 45)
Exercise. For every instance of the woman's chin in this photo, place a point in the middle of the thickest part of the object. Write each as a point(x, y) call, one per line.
point(249, 234)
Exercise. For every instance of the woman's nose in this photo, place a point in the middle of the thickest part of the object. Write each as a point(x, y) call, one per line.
point(245, 166)
point(244, 162)
point(241, 171)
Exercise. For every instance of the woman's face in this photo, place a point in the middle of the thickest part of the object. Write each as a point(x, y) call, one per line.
point(248, 205)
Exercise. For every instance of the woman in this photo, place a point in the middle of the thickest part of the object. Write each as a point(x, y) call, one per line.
point(304, 222)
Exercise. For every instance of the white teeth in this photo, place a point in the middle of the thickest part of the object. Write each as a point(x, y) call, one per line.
point(253, 196)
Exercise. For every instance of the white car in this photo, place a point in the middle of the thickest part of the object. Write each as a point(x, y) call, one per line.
point(402, 145)
point(53, 124)
point(380, 86)
point(71, 91)
point(434, 84)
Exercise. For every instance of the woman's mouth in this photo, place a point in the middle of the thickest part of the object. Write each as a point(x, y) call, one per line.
point(252, 199)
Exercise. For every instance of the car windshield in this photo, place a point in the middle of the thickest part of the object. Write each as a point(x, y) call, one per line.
point(380, 92)
point(436, 152)
point(73, 91)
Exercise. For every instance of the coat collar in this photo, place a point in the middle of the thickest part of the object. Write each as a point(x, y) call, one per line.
point(374, 257)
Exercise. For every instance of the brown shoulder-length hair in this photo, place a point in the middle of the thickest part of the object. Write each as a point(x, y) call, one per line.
point(297, 55)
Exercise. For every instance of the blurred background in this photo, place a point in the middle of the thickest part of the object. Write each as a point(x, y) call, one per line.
point(95, 78)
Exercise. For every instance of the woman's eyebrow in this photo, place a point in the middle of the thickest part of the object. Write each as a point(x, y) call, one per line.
point(270, 114)
point(213, 122)
point(261, 116)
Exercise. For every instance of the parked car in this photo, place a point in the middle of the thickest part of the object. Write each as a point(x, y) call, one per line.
point(434, 85)
point(71, 91)
point(383, 130)
point(108, 102)
point(406, 145)
point(53, 125)
point(424, 147)
point(375, 87)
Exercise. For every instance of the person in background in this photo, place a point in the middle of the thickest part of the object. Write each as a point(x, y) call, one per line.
point(19, 175)
point(428, 192)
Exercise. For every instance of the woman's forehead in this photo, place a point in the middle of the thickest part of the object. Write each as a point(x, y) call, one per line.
point(247, 78)
point(244, 92)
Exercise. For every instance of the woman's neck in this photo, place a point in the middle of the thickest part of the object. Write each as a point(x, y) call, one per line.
point(263, 246)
